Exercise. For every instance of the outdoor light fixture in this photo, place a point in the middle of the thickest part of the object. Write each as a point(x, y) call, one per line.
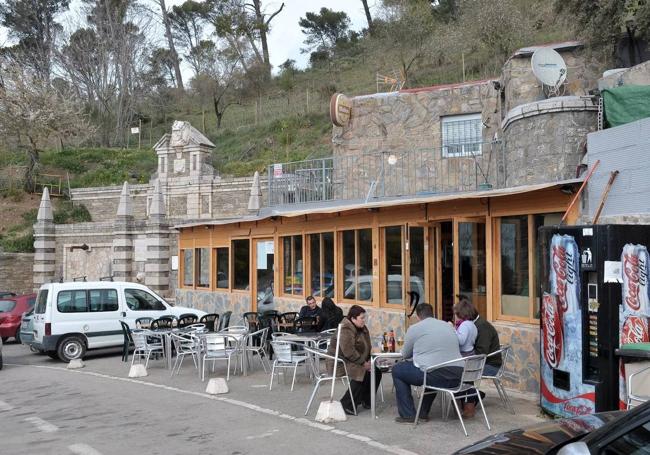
point(392, 159)
point(568, 189)
point(80, 247)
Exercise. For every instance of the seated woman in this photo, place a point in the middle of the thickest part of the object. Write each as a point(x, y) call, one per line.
point(465, 328)
point(331, 315)
point(354, 349)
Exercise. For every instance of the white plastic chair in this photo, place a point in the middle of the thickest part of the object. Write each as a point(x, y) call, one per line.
point(470, 379)
point(505, 354)
point(325, 376)
point(286, 358)
point(144, 348)
point(631, 395)
point(218, 347)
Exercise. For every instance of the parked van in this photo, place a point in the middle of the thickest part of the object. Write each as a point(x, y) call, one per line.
point(70, 318)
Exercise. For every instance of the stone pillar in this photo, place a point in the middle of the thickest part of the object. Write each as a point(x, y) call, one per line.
point(123, 237)
point(44, 243)
point(157, 266)
point(254, 201)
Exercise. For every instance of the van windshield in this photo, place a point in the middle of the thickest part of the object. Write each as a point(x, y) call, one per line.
point(41, 302)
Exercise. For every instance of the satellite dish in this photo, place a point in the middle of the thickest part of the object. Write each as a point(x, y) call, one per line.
point(549, 67)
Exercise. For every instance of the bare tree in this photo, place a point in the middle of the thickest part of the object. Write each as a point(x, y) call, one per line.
point(366, 9)
point(170, 43)
point(33, 112)
point(262, 24)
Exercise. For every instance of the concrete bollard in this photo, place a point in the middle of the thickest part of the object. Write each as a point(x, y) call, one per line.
point(75, 364)
point(137, 371)
point(217, 386)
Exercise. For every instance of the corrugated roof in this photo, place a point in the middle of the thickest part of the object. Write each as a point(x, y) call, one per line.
point(339, 206)
point(564, 45)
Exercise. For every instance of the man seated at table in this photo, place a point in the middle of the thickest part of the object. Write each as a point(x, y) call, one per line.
point(428, 342)
point(311, 310)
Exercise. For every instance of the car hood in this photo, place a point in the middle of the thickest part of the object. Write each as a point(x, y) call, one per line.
point(178, 310)
point(541, 438)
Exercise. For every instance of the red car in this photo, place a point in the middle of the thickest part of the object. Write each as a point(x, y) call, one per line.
point(11, 313)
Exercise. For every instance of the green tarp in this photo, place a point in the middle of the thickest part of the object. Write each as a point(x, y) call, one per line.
point(626, 104)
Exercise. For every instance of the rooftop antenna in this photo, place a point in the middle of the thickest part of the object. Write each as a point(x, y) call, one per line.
point(550, 69)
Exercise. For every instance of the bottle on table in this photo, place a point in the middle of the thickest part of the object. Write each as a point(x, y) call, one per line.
point(391, 341)
point(384, 343)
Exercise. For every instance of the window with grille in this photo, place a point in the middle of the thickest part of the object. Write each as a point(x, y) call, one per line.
point(461, 135)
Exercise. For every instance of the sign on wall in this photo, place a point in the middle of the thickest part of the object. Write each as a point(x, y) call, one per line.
point(340, 109)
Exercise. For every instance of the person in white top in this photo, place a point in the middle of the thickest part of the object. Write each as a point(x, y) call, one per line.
point(465, 328)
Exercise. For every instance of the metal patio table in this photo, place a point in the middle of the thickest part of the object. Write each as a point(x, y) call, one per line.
point(373, 380)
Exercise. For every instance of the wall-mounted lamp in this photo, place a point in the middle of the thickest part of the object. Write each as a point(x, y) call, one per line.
point(80, 247)
point(392, 159)
point(568, 189)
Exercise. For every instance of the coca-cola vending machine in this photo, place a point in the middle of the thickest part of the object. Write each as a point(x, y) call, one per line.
point(595, 294)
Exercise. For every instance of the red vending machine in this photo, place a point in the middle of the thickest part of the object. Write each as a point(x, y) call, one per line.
point(595, 294)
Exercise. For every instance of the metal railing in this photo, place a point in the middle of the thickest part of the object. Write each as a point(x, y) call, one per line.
point(386, 174)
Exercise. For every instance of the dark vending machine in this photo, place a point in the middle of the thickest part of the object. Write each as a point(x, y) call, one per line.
point(594, 296)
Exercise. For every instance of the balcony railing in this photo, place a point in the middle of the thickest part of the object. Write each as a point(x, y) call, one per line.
point(386, 174)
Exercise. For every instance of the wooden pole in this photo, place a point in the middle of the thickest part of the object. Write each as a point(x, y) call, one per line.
point(603, 198)
point(462, 55)
point(139, 133)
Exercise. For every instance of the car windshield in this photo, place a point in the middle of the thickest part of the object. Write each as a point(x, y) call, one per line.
point(7, 305)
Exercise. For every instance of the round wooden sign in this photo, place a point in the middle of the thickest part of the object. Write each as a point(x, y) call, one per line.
point(340, 109)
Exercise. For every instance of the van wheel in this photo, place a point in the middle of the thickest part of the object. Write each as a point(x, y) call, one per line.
point(71, 348)
point(17, 337)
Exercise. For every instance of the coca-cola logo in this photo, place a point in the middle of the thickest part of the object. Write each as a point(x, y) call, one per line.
point(578, 410)
point(564, 274)
point(634, 269)
point(635, 330)
point(551, 331)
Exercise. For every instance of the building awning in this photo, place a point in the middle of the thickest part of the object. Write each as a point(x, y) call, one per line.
point(341, 206)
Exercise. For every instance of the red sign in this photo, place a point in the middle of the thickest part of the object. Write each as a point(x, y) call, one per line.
point(552, 336)
point(564, 275)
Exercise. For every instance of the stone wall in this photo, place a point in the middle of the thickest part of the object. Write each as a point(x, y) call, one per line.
point(521, 86)
point(522, 371)
point(102, 202)
point(545, 141)
point(16, 272)
point(637, 75)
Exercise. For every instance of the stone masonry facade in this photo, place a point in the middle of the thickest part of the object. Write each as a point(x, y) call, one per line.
point(16, 272)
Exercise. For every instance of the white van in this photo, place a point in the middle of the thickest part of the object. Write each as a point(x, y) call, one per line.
point(70, 318)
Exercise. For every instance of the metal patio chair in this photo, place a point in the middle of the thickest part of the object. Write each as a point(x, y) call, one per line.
point(210, 320)
point(255, 343)
point(224, 321)
point(286, 358)
point(505, 352)
point(468, 385)
point(218, 347)
point(144, 347)
point(325, 376)
point(128, 341)
point(632, 396)
point(185, 344)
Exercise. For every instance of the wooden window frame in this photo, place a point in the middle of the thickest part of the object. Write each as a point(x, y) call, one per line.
point(340, 287)
point(216, 269)
point(292, 265)
point(231, 256)
point(197, 269)
point(309, 254)
point(532, 266)
point(383, 269)
point(181, 269)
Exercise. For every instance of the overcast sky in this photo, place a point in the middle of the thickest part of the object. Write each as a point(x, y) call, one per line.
point(286, 37)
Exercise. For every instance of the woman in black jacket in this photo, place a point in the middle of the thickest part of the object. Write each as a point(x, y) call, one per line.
point(331, 315)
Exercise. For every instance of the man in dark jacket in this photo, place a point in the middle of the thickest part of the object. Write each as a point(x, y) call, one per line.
point(312, 310)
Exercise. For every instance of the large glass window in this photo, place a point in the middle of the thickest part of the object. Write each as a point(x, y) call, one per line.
point(241, 264)
point(357, 264)
point(471, 263)
point(72, 302)
point(461, 135)
point(416, 261)
point(41, 301)
point(188, 267)
point(203, 267)
point(292, 264)
point(222, 268)
point(103, 299)
point(321, 256)
point(393, 263)
point(514, 266)
point(7, 305)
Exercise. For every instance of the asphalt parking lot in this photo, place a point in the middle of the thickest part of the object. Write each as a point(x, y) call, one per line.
point(45, 408)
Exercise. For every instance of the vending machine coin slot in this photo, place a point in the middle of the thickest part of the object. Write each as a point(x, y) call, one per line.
point(591, 345)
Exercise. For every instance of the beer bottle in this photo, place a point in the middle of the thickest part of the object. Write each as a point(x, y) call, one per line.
point(384, 343)
point(391, 341)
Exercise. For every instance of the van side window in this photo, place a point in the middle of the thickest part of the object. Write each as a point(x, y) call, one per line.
point(138, 300)
point(72, 301)
point(41, 301)
point(103, 299)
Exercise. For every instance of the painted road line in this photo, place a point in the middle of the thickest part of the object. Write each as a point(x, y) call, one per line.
point(5, 406)
point(253, 407)
point(43, 425)
point(83, 449)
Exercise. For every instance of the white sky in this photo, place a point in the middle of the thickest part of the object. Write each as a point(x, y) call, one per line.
point(286, 38)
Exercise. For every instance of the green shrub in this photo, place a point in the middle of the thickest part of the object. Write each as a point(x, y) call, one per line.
point(66, 213)
point(18, 244)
